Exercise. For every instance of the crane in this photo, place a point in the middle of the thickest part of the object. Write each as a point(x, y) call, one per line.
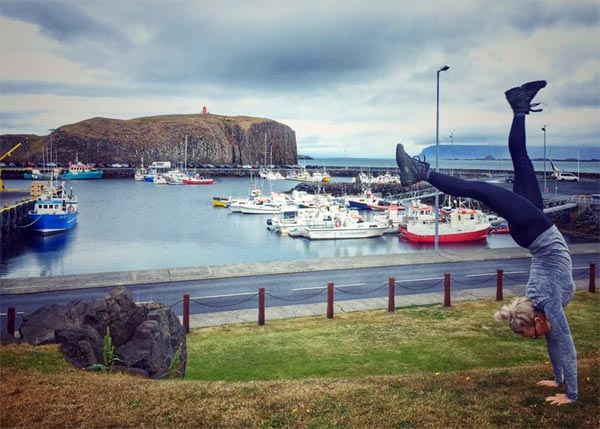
point(6, 155)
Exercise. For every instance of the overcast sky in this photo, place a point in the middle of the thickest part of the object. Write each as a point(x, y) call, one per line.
point(351, 78)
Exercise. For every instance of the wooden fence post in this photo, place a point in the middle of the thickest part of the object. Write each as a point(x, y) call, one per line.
point(186, 313)
point(330, 300)
point(261, 306)
point(391, 295)
point(11, 319)
point(592, 286)
point(499, 285)
point(446, 289)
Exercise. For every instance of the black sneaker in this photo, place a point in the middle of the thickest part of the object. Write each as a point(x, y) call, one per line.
point(520, 97)
point(412, 170)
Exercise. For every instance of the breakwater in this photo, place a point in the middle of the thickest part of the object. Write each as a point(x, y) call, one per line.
point(13, 218)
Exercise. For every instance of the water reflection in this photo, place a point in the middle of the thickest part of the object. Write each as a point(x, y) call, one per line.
point(50, 243)
point(44, 252)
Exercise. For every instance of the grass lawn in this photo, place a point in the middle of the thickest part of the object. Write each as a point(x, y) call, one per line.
point(425, 339)
point(420, 367)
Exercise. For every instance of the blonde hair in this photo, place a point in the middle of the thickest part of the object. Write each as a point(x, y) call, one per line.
point(519, 314)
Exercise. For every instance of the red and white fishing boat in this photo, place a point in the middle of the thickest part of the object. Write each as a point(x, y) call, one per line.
point(455, 225)
point(194, 179)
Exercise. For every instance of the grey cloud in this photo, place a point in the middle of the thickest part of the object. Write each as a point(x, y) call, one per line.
point(580, 94)
point(543, 14)
point(62, 21)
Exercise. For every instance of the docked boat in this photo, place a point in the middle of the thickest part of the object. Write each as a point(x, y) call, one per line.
point(174, 177)
point(456, 225)
point(270, 174)
point(293, 217)
point(306, 176)
point(140, 172)
point(80, 171)
point(384, 179)
point(343, 229)
point(221, 201)
point(383, 205)
point(159, 179)
point(54, 211)
point(195, 179)
point(260, 207)
point(43, 174)
point(362, 202)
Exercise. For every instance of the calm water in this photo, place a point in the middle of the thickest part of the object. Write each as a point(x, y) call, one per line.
point(128, 225)
point(467, 164)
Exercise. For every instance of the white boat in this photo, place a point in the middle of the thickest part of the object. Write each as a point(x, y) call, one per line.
point(348, 228)
point(292, 217)
point(306, 176)
point(392, 217)
point(269, 174)
point(140, 172)
point(259, 207)
point(236, 203)
point(175, 177)
point(384, 179)
point(159, 179)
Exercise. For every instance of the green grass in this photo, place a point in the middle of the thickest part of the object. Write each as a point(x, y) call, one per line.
point(422, 367)
point(427, 339)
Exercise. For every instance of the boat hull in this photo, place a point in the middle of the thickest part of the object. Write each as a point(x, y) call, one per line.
point(198, 182)
point(444, 237)
point(52, 223)
point(84, 175)
point(343, 233)
point(34, 176)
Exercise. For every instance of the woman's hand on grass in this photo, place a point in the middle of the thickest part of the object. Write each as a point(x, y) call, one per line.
point(558, 399)
point(547, 383)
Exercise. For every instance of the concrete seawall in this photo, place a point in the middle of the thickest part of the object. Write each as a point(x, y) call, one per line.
point(166, 275)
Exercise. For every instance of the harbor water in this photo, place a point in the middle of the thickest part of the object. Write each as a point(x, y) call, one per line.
point(127, 225)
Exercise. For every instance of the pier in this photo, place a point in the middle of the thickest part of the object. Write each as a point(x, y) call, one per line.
point(13, 218)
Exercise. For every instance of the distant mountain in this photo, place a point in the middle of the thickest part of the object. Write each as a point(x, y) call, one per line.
point(501, 152)
point(211, 139)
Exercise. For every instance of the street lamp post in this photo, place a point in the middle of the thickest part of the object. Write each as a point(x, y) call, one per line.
point(451, 153)
point(545, 188)
point(436, 242)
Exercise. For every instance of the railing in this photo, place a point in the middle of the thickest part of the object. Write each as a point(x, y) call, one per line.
point(391, 283)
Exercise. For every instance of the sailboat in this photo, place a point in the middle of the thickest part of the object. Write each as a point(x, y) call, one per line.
point(189, 178)
point(268, 172)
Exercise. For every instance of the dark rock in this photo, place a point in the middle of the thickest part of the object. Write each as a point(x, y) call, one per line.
point(82, 345)
point(146, 337)
point(214, 139)
point(6, 338)
point(129, 370)
point(40, 326)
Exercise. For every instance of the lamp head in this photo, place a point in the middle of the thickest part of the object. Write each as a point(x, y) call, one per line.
point(444, 68)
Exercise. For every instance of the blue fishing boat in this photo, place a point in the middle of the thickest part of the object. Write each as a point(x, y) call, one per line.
point(43, 173)
point(79, 171)
point(55, 211)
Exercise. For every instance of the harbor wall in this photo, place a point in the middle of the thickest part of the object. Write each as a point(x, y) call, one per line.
point(13, 219)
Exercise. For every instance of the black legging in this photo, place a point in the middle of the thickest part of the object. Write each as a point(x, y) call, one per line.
point(522, 207)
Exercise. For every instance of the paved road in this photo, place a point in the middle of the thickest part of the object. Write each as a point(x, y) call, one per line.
point(238, 293)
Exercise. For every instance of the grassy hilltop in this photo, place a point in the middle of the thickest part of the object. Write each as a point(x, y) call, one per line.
point(421, 367)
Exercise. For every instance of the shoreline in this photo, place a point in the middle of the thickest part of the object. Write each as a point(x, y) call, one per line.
point(23, 285)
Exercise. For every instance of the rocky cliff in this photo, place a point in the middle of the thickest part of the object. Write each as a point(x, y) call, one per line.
point(211, 138)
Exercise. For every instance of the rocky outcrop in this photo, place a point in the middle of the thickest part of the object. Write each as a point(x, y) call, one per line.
point(146, 337)
point(212, 139)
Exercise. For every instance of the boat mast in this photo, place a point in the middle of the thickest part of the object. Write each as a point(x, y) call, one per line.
point(185, 154)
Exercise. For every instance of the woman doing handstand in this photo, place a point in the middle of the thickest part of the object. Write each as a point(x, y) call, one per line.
point(550, 286)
